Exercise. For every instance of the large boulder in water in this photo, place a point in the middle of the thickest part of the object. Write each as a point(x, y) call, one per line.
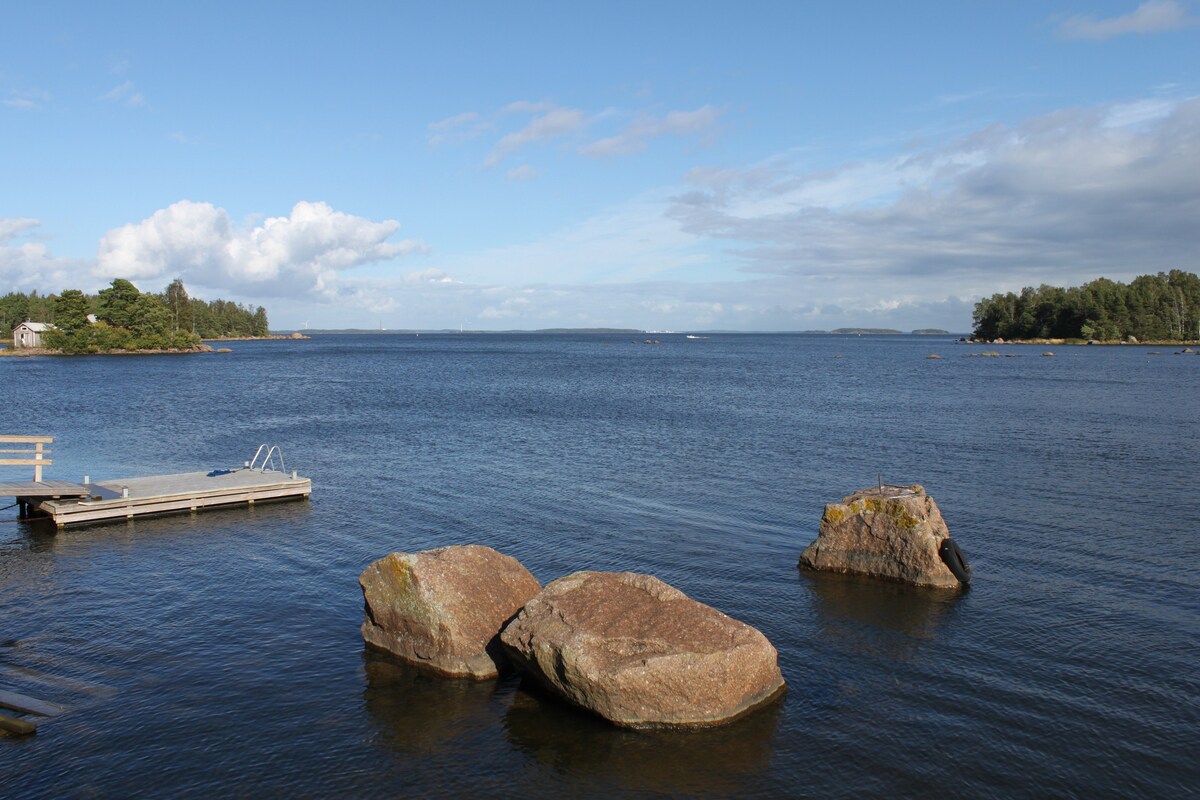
point(640, 653)
point(889, 532)
point(443, 609)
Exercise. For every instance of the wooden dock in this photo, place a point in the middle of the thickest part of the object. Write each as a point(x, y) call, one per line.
point(69, 503)
point(166, 494)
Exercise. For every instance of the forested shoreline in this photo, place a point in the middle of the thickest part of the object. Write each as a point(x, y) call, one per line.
point(1160, 308)
point(129, 319)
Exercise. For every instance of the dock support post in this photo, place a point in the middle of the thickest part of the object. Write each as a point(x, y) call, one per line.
point(37, 467)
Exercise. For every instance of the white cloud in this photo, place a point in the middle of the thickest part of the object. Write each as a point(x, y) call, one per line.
point(11, 228)
point(1150, 17)
point(548, 123)
point(903, 241)
point(27, 99)
point(1061, 198)
point(303, 253)
point(460, 126)
point(29, 265)
point(645, 127)
point(125, 94)
point(522, 173)
point(632, 242)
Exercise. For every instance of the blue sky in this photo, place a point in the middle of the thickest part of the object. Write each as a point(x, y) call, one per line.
point(664, 166)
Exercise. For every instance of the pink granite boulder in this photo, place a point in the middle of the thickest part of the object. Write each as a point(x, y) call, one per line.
point(443, 609)
point(893, 533)
point(640, 653)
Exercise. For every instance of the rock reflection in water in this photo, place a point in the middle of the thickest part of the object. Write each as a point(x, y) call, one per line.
point(426, 714)
point(878, 617)
point(718, 761)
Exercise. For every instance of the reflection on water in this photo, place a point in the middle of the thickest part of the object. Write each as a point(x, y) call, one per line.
point(420, 713)
point(882, 618)
point(715, 761)
point(39, 534)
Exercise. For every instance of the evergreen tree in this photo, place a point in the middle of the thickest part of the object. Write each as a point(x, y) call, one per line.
point(1151, 307)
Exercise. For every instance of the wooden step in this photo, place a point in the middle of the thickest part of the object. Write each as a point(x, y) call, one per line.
point(29, 705)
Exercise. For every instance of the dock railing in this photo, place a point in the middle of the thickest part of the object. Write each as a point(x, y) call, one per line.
point(39, 453)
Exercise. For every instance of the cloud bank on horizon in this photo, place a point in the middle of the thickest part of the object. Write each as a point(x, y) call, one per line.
point(651, 215)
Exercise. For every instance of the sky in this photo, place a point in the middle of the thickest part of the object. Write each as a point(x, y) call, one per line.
point(657, 165)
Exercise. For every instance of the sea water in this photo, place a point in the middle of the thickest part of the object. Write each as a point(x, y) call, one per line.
point(219, 654)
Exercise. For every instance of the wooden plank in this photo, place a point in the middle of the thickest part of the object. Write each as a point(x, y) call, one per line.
point(19, 674)
point(72, 513)
point(26, 439)
point(25, 462)
point(44, 489)
point(21, 727)
point(27, 452)
point(29, 705)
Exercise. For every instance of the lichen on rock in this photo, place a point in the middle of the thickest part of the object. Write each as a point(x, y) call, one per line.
point(890, 532)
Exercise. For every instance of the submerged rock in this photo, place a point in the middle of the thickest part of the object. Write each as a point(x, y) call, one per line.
point(443, 609)
point(892, 533)
point(640, 653)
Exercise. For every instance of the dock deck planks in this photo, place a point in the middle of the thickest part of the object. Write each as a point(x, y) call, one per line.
point(160, 494)
point(42, 489)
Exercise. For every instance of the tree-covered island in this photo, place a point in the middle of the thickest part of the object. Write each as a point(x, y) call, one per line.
point(123, 319)
point(1151, 308)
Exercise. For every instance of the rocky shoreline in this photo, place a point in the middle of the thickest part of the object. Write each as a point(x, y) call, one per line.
point(1130, 342)
point(25, 352)
point(273, 337)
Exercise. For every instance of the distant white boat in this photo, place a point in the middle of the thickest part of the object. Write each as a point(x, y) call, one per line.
point(690, 336)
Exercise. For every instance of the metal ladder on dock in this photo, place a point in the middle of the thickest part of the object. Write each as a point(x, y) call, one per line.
point(273, 455)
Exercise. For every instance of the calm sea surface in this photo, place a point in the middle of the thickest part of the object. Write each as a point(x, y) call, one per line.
point(219, 655)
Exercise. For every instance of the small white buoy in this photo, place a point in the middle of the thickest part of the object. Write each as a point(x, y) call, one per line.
point(87, 480)
point(124, 491)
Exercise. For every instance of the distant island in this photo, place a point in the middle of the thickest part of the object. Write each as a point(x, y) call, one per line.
point(866, 331)
point(121, 318)
point(1162, 308)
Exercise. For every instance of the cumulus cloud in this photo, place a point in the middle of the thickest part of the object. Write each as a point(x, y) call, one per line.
point(302, 253)
point(645, 127)
point(1063, 197)
point(1152, 16)
point(548, 122)
point(29, 264)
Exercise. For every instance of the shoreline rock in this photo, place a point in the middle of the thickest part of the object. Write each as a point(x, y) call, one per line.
point(640, 653)
point(443, 609)
point(26, 352)
point(893, 533)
